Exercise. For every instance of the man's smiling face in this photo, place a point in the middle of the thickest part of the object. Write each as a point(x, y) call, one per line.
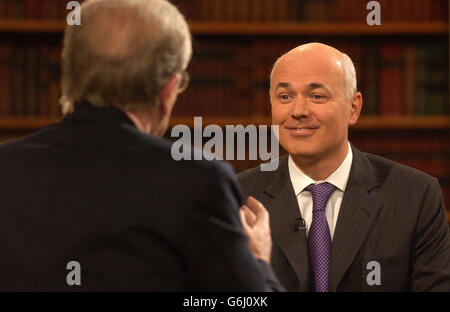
point(309, 103)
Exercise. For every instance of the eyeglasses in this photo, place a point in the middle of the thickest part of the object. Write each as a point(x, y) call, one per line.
point(184, 82)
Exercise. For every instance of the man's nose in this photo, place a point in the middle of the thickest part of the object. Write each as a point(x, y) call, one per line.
point(300, 108)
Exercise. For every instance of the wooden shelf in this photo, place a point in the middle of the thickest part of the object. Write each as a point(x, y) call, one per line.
point(31, 26)
point(364, 123)
point(403, 122)
point(318, 28)
point(257, 28)
point(25, 123)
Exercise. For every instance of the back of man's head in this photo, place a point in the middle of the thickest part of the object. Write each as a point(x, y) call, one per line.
point(123, 53)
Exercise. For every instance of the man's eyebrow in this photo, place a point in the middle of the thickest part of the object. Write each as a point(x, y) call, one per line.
point(286, 85)
point(317, 85)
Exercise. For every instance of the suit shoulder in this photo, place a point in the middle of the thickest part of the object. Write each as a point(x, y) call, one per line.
point(250, 174)
point(201, 169)
point(13, 146)
point(255, 179)
point(385, 167)
point(256, 173)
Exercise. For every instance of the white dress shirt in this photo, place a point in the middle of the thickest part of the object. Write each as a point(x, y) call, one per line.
point(338, 178)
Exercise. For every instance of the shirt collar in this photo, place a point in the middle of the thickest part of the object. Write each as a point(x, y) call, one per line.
point(338, 178)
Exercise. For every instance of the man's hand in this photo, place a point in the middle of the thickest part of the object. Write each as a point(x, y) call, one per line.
point(255, 222)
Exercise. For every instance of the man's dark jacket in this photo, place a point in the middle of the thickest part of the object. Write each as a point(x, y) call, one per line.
point(391, 222)
point(95, 190)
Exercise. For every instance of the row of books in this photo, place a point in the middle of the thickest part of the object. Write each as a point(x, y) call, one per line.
point(423, 151)
point(412, 143)
point(258, 10)
point(391, 10)
point(312, 10)
point(428, 152)
point(231, 77)
point(34, 9)
point(402, 78)
point(29, 79)
point(394, 78)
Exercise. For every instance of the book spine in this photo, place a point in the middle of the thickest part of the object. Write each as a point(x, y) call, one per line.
point(18, 81)
point(32, 9)
point(55, 76)
point(410, 79)
point(44, 81)
point(6, 76)
point(30, 81)
point(391, 79)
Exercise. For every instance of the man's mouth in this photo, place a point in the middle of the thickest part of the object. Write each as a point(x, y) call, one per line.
point(302, 131)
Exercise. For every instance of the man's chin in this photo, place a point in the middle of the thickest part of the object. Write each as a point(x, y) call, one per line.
point(304, 154)
point(300, 150)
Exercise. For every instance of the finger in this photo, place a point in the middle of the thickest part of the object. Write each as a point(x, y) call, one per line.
point(245, 226)
point(257, 208)
point(250, 216)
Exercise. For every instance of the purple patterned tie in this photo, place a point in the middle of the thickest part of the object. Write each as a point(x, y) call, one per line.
point(319, 238)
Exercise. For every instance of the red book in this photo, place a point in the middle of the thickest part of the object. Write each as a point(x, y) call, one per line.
point(5, 79)
point(32, 9)
point(391, 79)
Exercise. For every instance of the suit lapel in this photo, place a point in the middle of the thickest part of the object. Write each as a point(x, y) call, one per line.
point(358, 210)
point(283, 208)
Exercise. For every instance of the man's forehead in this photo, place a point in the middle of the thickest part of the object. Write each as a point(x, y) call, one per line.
point(307, 71)
point(308, 61)
point(310, 85)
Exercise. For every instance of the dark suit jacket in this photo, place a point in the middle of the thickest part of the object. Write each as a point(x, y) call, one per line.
point(390, 213)
point(94, 189)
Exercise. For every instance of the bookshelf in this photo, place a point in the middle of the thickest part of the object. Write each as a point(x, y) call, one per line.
point(364, 122)
point(258, 28)
point(31, 26)
point(238, 41)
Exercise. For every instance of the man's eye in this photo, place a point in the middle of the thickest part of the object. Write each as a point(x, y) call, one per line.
point(318, 98)
point(284, 97)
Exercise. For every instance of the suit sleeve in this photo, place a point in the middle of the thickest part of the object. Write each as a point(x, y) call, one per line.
point(248, 183)
point(220, 257)
point(431, 245)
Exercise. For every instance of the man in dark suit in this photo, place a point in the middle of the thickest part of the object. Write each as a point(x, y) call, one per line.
point(341, 219)
point(96, 203)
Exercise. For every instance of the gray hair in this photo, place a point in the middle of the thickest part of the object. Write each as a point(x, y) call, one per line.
point(123, 53)
point(349, 75)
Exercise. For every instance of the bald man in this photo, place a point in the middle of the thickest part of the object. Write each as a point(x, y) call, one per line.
point(341, 219)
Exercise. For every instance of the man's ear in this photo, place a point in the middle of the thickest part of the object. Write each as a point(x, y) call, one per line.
point(355, 108)
point(167, 95)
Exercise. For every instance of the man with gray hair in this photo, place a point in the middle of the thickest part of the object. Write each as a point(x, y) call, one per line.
point(95, 202)
point(341, 219)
